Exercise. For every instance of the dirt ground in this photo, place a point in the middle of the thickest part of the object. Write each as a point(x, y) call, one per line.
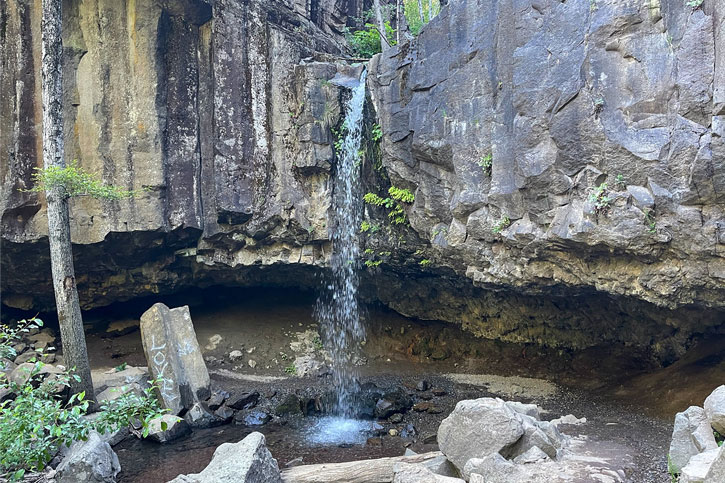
point(628, 402)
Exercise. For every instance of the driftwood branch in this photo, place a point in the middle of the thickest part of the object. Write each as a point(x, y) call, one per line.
point(365, 471)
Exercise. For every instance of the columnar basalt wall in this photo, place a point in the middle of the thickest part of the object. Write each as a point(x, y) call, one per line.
point(219, 114)
point(563, 97)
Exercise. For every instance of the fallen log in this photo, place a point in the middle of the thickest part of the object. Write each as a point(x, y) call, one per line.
point(364, 471)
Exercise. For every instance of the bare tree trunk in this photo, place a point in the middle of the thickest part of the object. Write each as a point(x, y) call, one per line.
point(430, 10)
point(384, 45)
point(420, 11)
point(75, 354)
point(398, 13)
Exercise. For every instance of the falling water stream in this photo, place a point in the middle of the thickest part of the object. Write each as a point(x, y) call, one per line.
point(337, 308)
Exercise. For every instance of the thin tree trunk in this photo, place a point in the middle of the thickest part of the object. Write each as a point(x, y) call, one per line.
point(398, 13)
point(420, 11)
point(384, 45)
point(75, 354)
point(430, 10)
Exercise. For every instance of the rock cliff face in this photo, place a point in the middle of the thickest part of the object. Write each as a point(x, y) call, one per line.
point(220, 113)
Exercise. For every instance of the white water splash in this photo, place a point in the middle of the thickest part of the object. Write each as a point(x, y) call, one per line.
point(335, 430)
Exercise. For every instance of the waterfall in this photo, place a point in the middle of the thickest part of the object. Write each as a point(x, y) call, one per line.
point(337, 308)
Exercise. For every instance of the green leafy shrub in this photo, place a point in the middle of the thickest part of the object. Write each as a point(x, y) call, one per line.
point(35, 424)
point(393, 203)
point(425, 262)
point(366, 41)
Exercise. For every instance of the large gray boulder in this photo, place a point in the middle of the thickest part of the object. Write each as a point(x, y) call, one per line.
point(176, 427)
point(417, 473)
point(715, 409)
point(174, 357)
point(477, 428)
point(698, 467)
point(89, 461)
point(248, 461)
point(716, 473)
point(691, 436)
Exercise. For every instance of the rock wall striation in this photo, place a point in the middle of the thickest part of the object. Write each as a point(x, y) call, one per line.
point(567, 159)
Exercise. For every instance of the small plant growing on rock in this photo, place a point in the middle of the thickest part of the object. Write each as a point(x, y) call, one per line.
point(619, 182)
point(393, 203)
point(373, 263)
point(486, 163)
point(598, 197)
point(501, 224)
point(694, 3)
point(376, 132)
point(425, 262)
point(649, 220)
point(291, 370)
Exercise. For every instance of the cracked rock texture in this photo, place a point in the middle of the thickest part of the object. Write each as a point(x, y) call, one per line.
point(219, 113)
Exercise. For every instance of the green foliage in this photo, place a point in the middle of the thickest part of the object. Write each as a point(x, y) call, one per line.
point(291, 370)
point(619, 182)
point(73, 182)
point(131, 407)
point(35, 424)
point(366, 226)
point(121, 367)
point(486, 163)
point(649, 220)
point(672, 471)
point(501, 224)
point(373, 263)
point(318, 343)
point(412, 14)
point(393, 203)
point(366, 41)
point(401, 194)
point(377, 132)
point(593, 5)
point(694, 3)
point(425, 262)
point(599, 198)
point(339, 138)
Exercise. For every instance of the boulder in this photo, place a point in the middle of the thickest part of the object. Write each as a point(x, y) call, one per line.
point(692, 435)
point(716, 473)
point(417, 473)
point(176, 427)
point(715, 409)
point(112, 393)
point(496, 468)
point(114, 378)
point(216, 399)
point(248, 461)
point(174, 357)
point(243, 400)
point(527, 409)
point(89, 461)
point(392, 402)
point(254, 418)
point(199, 416)
point(698, 467)
point(289, 405)
point(535, 436)
point(532, 455)
point(476, 428)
